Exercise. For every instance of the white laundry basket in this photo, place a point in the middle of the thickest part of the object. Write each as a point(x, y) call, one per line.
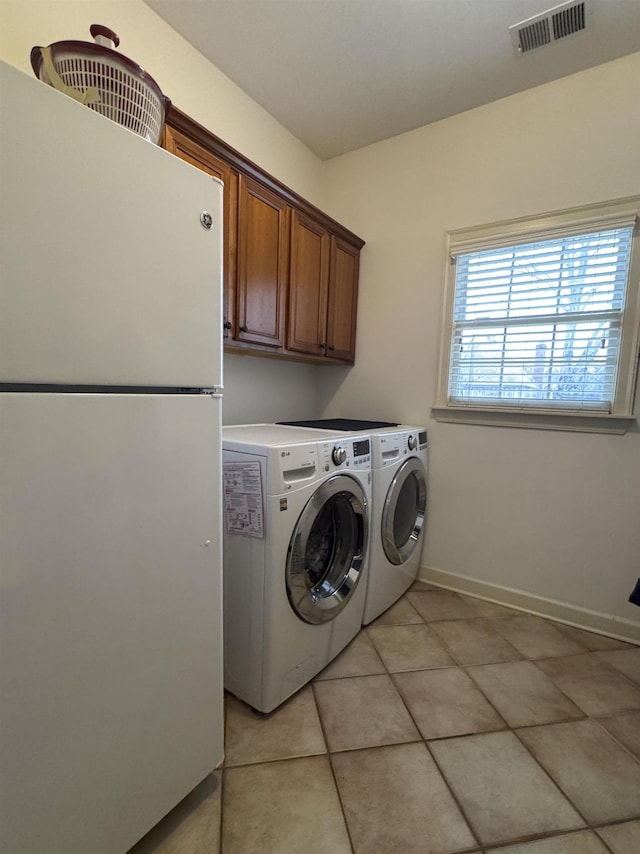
point(105, 80)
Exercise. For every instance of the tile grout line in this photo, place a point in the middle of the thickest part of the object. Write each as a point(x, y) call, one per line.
point(389, 674)
point(501, 846)
point(509, 728)
point(333, 771)
point(557, 785)
point(457, 664)
point(424, 741)
point(586, 651)
point(614, 669)
point(591, 825)
point(486, 621)
point(524, 726)
point(524, 612)
point(588, 715)
point(603, 841)
point(427, 742)
point(613, 737)
point(585, 716)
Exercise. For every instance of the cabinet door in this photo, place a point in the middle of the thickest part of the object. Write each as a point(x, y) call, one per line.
point(308, 284)
point(263, 255)
point(343, 301)
point(186, 149)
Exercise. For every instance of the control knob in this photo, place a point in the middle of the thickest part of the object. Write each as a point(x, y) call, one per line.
point(338, 455)
point(412, 442)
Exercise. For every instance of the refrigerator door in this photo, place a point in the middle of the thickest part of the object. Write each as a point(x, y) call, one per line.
point(111, 621)
point(108, 275)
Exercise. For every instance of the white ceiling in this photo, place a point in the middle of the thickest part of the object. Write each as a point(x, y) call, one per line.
point(341, 74)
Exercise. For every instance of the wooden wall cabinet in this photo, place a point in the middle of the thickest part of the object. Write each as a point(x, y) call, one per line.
point(342, 308)
point(263, 265)
point(290, 271)
point(323, 292)
point(308, 286)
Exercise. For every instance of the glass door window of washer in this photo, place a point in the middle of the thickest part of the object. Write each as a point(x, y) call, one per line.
point(327, 549)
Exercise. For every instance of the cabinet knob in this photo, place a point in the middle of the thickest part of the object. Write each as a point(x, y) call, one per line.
point(244, 328)
point(323, 346)
point(226, 324)
point(331, 347)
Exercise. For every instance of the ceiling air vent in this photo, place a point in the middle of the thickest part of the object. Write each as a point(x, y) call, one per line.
point(550, 26)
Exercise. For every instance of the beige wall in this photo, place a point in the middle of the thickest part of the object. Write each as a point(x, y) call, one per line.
point(256, 390)
point(193, 84)
point(554, 514)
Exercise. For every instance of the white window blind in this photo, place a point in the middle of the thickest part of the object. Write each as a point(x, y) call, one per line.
point(538, 324)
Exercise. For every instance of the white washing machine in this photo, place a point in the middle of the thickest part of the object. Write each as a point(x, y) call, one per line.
point(297, 506)
point(398, 510)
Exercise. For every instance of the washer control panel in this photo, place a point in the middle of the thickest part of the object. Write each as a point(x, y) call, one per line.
point(345, 453)
point(339, 455)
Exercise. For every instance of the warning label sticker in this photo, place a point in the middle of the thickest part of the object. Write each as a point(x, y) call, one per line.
point(243, 499)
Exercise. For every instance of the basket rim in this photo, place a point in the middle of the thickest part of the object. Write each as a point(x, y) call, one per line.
point(89, 48)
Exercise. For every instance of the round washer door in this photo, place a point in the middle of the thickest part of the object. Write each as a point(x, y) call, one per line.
point(404, 511)
point(327, 550)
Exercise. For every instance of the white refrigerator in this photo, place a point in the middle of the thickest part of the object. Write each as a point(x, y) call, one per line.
point(111, 702)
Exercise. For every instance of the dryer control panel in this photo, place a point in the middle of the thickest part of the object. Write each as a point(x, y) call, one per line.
point(391, 447)
point(342, 453)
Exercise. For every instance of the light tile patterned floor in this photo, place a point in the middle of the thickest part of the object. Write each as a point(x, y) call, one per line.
point(448, 725)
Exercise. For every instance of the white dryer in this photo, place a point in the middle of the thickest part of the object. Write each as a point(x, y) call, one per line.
point(295, 547)
point(398, 508)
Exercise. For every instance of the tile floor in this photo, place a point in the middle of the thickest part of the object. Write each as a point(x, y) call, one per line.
point(448, 725)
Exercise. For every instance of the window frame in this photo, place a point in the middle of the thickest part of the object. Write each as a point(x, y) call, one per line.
point(572, 221)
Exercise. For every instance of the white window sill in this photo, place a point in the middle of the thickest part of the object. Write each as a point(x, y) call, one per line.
point(587, 422)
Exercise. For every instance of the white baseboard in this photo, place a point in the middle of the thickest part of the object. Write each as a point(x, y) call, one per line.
point(561, 612)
